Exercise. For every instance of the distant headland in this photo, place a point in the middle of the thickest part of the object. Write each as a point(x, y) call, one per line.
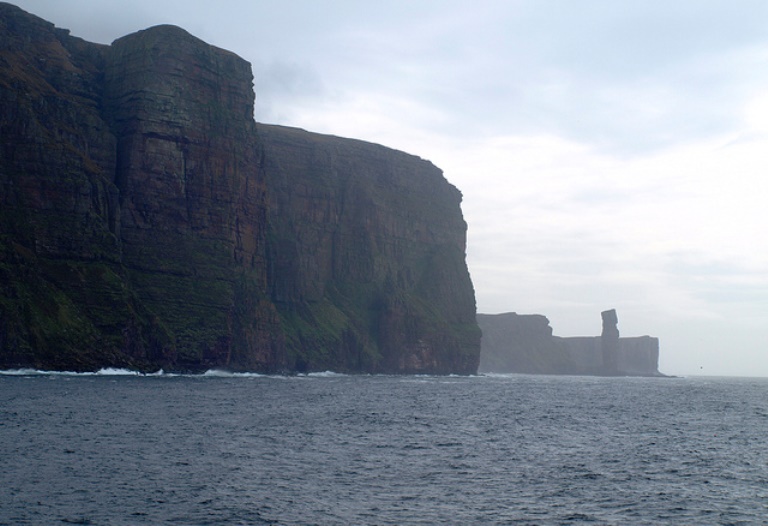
point(518, 343)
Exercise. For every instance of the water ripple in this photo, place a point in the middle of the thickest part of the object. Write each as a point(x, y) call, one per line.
point(333, 449)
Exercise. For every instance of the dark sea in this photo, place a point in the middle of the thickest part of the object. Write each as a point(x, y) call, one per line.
point(114, 448)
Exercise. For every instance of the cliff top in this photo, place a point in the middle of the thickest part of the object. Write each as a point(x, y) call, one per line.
point(170, 36)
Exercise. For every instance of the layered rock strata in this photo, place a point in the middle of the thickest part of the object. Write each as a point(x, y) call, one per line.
point(192, 199)
point(147, 222)
point(516, 343)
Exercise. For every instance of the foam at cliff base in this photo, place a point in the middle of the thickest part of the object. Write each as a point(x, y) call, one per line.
point(211, 373)
point(108, 371)
point(111, 371)
point(219, 373)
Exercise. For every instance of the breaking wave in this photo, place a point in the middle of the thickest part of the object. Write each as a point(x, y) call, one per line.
point(220, 373)
point(113, 371)
point(107, 371)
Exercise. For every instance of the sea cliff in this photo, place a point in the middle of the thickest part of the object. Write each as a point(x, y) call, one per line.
point(524, 343)
point(147, 221)
point(367, 255)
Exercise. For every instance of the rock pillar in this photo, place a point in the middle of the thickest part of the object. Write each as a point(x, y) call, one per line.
point(609, 342)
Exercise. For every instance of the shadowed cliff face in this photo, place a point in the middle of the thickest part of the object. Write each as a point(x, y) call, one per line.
point(367, 248)
point(193, 203)
point(521, 343)
point(58, 203)
point(57, 154)
point(147, 223)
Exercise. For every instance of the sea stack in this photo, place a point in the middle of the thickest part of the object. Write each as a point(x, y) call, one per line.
point(609, 342)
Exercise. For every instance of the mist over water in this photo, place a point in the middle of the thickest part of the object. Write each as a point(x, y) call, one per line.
point(116, 448)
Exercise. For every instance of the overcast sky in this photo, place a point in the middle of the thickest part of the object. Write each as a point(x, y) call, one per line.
point(611, 154)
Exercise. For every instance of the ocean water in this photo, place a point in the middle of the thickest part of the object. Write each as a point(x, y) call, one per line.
point(330, 449)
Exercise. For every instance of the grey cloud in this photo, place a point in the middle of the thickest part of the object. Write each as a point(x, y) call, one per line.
point(280, 84)
point(628, 79)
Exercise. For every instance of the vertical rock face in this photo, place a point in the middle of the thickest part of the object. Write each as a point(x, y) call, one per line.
point(367, 246)
point(638, 355)
point(57, 154)
point(609, 342)
point(193, 204)
point(59, 256)
point(145, 222)
point(521, 343)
